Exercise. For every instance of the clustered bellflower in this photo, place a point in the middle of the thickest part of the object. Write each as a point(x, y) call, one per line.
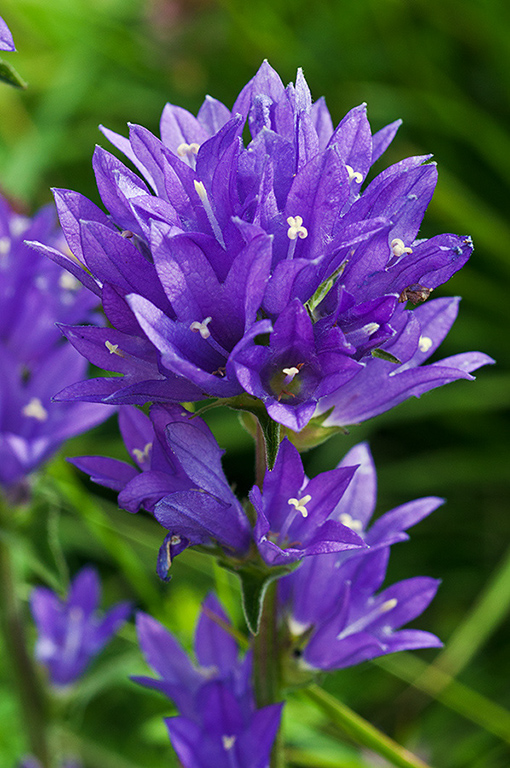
point(331, 606)
point(218, 722)
point(272, 269)
point(72, 632)
point(35, 294)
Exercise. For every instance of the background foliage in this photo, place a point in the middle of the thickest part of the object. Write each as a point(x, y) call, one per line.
point(444, 67)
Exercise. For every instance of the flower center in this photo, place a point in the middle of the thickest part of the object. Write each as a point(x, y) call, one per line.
point(35, 410)
point(354, 175)
point(424, 343)
point(398, 248)
point(113, 349)
point(228, 742)
point(300, 504)
point(187, 152)
point(286, 382)
point(142, 455)
point(294, 231)
point(201, 328)
point(346, 519)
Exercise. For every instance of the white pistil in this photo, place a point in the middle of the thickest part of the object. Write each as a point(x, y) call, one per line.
point(354, 175)
point(228, 742)
point(174, 540)
point(19, 225)
point(68, 282)
point(142, 455)
point(113, 349)
point(35, 410)
point(296, 228)
point(346, 519)
point(296, 628)
point(398, 248)
point(201, 328)
point(5, 245)
point(187, 152)
point(424, 343)
point(370, 328)
point(369, 618)
point(289, 374)
point(300, 504)
point(202, 193)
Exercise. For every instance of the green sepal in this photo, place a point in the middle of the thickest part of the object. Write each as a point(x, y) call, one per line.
point(383, 355)
point(314, 434)
point(323, 289)
point(9, 75)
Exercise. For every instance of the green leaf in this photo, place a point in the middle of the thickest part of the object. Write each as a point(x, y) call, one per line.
point(382, 354)
point(9, 75)
point(323, 289)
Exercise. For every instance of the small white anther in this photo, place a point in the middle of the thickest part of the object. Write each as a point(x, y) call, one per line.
point(296, 228)
point(5, 245)
point(113, 349)
point(142, 455)
point(290, 373)
point(200, 190)
point(388, 605)
point(296, 628)
point(201, 328)
point(19, 225)
point(228, 742)
point(300, 504)
point(424, 343)
point(354, 175)
point(346, 519)
point(184, 149)
point(398, 248)
point(35, 410)
point(174, 540)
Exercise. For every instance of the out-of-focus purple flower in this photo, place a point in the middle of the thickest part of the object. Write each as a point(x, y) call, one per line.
point(353, 621)
point(178, 478)
point(35, 294)
point(72, 632)
point(6, 41)
point(295, 515)
point(218, 722)
point(32, 762)
point(264, 269)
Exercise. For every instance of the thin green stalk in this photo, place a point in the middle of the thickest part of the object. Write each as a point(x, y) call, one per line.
point(361, 731)
point(32, 703)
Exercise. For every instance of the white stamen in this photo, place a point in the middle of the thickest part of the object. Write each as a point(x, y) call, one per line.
point(356, 175)
point(368, 618)
point(289, 374)
point(184, 150)
point(296, 628)
point(370, 328)
point(296, 228)
point(300, 504)
point(174, 540)
point(398, 248)
point(35, 410)
point(202, 193)
point(5, 245)
point(142, 455)
point(19, 225)
point(201, 328)
point(425, 343)
point(228, 742)
point(68, 282)
point(346, 519)
point(113, 349)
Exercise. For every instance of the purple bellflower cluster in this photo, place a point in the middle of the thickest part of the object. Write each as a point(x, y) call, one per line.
point(271, 270)
point(32, 762)
point(352, 621)
point(35, 294)
point(72, 632)
point(218, 723)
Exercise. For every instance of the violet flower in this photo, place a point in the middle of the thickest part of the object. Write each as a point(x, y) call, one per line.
point(178, 478)
point(72, 631)
point(295, 515)
point(353, 621)
point(224, 247)
point(32, 762)
point(218, 722)
point(34, 294)
point(6, 41)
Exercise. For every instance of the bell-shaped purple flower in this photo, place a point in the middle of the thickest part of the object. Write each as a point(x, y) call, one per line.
point(72, 632)
point(353, 621)
point(218, 722)
point(178, 478)
point(6, 41)
point(34, 295)
point(294, 514)
point(220, 244)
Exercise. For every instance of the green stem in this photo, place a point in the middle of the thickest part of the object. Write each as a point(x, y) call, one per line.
point(31, 699)
point(361, 731)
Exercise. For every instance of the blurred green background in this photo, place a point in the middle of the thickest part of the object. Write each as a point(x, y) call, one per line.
point(443, 66)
